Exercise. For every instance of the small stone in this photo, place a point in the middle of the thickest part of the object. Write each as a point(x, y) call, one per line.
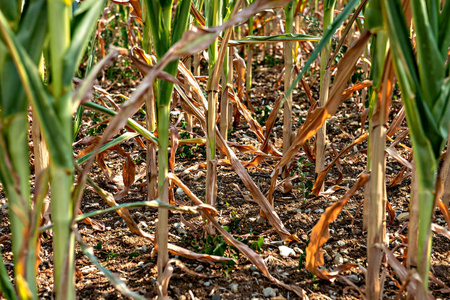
point(180, 229)
point(391, 283)
point(144, 248)
point(340, 244)
point(296, 210)
point(269, 292)
point(307, 210)
point(255, 274)
point(338, 259)
point(199, 268)
point(179, 192)
point(216, 297)
point(234, 287)
point(140, 264)
point(327, 257)
point(403, 217)
point(319, 211)
point(260, 220)
point(207, 283)
point(253, 268)
point(353, 278)
point(183, 297)
point(286, 251)
point(327, 248)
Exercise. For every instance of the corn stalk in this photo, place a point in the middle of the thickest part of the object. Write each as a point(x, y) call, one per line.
point(213, 11)
point(325, 79)
point(288, 63)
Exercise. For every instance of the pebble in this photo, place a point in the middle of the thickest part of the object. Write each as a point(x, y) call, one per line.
point(253, 268)
point(179, 192)
point(296, 210)
point(216, 297)
point(255, 274)
point(183, 297)
point(234, 287)
point(340, 243)
point(140, 264)
point(307, 210)
point(144, 248)
point(269, 292)
point(199, 268)
point(403, 217)
point(327, 248)
point(319, 211)
point(338, 259)
point(286, 251)
point(207, 283)
point(260, 220)
point(353, 278)
point(327, 257)
point(180, 229)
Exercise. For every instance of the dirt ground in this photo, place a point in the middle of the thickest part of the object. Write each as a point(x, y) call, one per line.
point(130, 256)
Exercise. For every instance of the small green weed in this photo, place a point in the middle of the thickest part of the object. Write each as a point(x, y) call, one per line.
point(305, 184)
point(109, 255)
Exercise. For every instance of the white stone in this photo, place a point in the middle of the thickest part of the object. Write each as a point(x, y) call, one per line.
point(286, 251)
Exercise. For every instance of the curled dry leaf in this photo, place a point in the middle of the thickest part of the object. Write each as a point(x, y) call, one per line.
point(323, 173)
point(444, 210)
point(400, 270)
point(96, 225)
point(320, 233)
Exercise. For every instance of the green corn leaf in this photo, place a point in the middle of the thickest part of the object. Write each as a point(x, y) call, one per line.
point(83, 23)
point(38, 96)
point(181, 19)
point(6, 287)
point(124, 137)
point(444, 30)
point(10, 10)
point(431, 63)
point(287, 37)
point(132, 123)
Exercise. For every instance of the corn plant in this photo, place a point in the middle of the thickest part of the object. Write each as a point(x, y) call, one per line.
point(325, 79)
point(68, 37)
point(165, 33)
point(288, 63)
point(423, 75)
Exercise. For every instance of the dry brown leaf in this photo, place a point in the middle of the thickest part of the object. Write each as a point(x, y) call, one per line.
point(320, 233)
point(96, 225)
point(323, 173)
point(395, 155)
